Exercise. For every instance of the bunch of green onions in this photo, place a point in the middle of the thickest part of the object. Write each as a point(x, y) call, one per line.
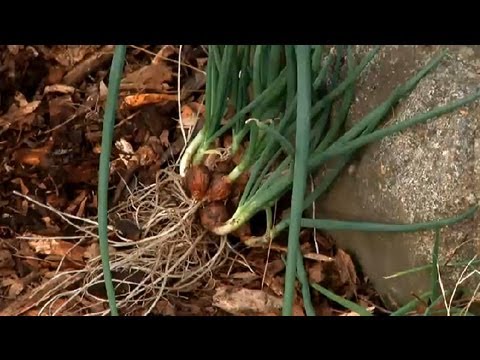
point(265, 85)
point(283, 99)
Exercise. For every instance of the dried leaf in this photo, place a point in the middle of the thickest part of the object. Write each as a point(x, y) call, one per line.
point(353, 313)
point(20, 99)
point(189, 117)
point(346, 269)
point(325, 244)
point(246, 301)
point(76, 202)
point(28, 301)
point(165, 308)
point(246, 275)
point(149, 78)
point(23, 189)
point(275, 283)
point(16, 286)
point(92, 251)
point(19, 116)
point(60, 248)
point(135, 101)
point(14, 49)
point(103, 91)
point(145, 155)
point(164, 53)
point(318, 257)
point(97, 149)
point(124, 146)
point(59, 88)
point(33, 157)
point(81, 208)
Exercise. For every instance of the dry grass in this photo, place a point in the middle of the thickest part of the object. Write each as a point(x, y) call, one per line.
point(174, 255)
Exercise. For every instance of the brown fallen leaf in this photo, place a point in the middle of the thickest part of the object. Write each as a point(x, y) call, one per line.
point(244, 302)
point(135, 101)
point(103, 91)
point(326, 244)
point(48, 246)
point(59, 88)
point(150, 78)
point(21, 100)
point(189, 117)
point(92, 251)
point(275, 283)
point(81, 208)
point(19, 117)
point(353, 313)
point(23, 189)
point(318, 257)
point(163, 54)
point(34, 157)
point(340, 275)
point(145, 155)
point(165, 308)
point(14, 49)
point(28, 301)
point(346, 269)
point(15, 286)
point(76, 202)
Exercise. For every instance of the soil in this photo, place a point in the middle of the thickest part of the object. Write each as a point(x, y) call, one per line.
point(52, 101)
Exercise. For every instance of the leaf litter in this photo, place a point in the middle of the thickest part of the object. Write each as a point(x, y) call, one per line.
point(51, 107)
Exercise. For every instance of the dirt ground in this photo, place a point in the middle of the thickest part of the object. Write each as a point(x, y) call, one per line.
point(52, 100)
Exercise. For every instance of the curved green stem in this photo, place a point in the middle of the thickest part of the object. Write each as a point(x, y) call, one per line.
point(300, 171)
point(104, 169)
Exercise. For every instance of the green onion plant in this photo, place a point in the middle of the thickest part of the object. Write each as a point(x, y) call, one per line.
point(283, 99)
